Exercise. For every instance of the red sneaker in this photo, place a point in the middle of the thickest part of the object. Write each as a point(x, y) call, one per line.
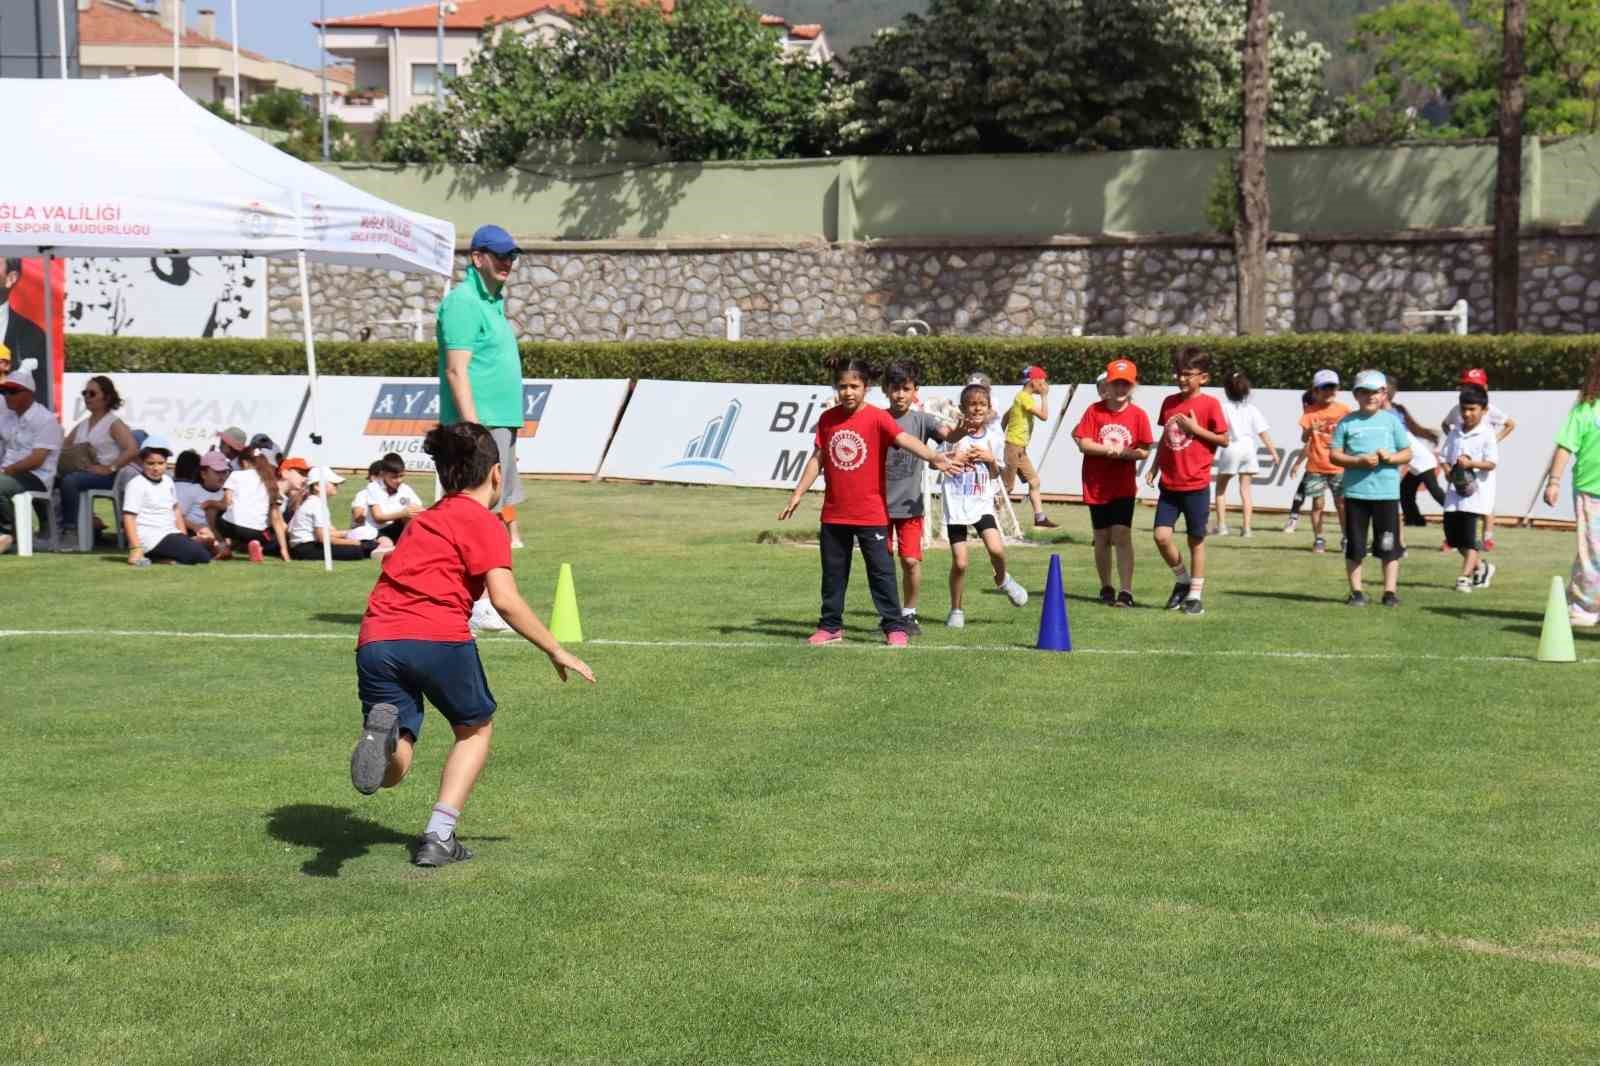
point(256, 554)
point(896, 638)
point(1488, 544)
point(825, 636)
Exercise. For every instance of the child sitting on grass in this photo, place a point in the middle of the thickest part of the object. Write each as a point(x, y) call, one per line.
point(389, 504)
point(150, 515)
point(311, 518)
point(1471, 453)
point(1372, 446)
point(1114, 437)
point(968, 496)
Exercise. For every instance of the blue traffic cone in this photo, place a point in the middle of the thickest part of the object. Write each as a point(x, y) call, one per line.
point(1054, 634)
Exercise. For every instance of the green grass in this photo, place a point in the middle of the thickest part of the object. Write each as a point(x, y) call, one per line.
point(1170, 846)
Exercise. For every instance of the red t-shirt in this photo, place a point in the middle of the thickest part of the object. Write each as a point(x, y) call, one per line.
point(854, 449)
point(437, 571)
point(1185, 461)
point(1106, 479)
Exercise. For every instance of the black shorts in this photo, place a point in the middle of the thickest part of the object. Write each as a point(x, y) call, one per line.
point(1382, 517)
point(1195, 506)
point(1461, 530)
point(958, 534)
point(1115, 513)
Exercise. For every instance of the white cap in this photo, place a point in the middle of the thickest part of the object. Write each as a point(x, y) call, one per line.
point(21, 378)
point(1324, 377)
point(322, 475)
point(156, 442)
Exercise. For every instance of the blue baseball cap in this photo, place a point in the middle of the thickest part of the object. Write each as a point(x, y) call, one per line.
point(1370, 381)
point(494, 239)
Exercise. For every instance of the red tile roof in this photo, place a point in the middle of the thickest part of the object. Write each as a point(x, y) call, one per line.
point(471, 14)
point(809, 32)
point(113, 24)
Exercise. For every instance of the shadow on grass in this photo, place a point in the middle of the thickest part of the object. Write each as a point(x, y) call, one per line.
point(337, 618)
point(1479, 612)
point(337, 834)
point(1293, 597)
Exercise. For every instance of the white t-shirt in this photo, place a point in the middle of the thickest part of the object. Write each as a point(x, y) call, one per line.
point(191, 494)
point(26, 433)
point(250, 502)
point(151, 503)
point(1480, 446)
point(1422, 455)
point(969, 495)
point(1494, 416)
point(98, 437)
point(377, 495)
point(1246, 423)
point(310, 516)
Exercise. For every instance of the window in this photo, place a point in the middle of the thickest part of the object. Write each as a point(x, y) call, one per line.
point(422, 77)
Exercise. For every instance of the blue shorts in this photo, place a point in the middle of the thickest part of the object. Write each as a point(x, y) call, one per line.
point(1195, 507)
point(402, 672)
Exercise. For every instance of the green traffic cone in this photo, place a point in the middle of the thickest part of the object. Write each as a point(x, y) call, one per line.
point(1555, 639)
point(564, 624)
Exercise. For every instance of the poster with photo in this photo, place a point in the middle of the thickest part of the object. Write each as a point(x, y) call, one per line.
point(169, 296)
point(22, 323)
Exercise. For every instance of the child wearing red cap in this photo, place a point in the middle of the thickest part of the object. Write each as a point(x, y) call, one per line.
point(1029, 405)
point(1114, 437)
point(1500, 423)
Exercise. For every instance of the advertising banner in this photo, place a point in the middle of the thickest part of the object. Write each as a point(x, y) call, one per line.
point(192, 410)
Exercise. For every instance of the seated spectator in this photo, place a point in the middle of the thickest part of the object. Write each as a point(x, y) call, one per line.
point(291, 485)
point(150, 514)
point(251, 521)
point(305, 530)
point(358, 506)
point(95, 449)
point(32, 444)
point(5, 361)
point(201, 504)
point(390, 504)
point(232, 443)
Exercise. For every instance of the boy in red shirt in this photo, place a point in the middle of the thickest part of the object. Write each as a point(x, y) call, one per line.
point(1193, 427)
point(1114, 437)
point(852, 448)
point(415, 640)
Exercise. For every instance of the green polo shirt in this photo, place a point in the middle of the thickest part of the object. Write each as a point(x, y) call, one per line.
point(472, 320)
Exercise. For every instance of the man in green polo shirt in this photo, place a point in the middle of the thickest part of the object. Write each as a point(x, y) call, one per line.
point(480, 368)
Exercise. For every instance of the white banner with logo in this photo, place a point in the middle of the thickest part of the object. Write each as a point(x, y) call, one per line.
point(192, 410)
point(761, 435)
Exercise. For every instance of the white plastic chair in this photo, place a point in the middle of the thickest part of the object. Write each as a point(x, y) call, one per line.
point(86, 519)
point(22, 506)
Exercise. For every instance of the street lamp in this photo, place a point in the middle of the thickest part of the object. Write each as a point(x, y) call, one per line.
point(446, 7)
point(322, 61)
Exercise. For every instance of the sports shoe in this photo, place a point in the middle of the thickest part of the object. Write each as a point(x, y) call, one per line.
point(1193, 607)
point(1222, 531)
point(485, 618)
point(1180, 592)
point(255, 552)
point(1320, 546)
point(1485, 575)
point(1014, 592)
point(432, 851)
point(913, 627)
point(896, 638)
point(825, 636)
point(1291, 523)
point(1463, 584)
point(1390, 600)
point(1245, 534)
point(1044, 522)
point(957, 619)
point(1581, 618)
point(1108, 595)
point(1444, 546)
point(1124, 599)
point(1356, 599)
point(370, 759)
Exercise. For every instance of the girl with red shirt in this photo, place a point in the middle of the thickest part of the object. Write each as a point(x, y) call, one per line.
point(415, 640)
point(852, 449)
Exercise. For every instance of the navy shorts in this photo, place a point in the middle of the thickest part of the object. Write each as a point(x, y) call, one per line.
point(1195, 507)
point(402, 672)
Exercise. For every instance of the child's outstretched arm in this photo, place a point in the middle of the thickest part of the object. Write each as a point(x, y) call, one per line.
point(520, 617)
point(1506, 430)
point(940, 461)
point(808, 477)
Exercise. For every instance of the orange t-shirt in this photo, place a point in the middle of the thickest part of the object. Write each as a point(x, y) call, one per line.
point(1320, 421)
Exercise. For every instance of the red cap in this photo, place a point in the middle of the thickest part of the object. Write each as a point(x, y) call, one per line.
point(294, 464)
point(1122, 370)
point(1475, 376)
point(1034, 373)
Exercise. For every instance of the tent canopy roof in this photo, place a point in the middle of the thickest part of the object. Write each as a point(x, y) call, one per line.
point(133, 167)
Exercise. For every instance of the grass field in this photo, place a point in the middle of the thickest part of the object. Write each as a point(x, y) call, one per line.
point(1286, 832)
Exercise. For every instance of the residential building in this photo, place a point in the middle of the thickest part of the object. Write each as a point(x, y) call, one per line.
point(396, 52)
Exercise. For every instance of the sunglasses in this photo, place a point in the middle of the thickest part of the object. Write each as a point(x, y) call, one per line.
point(509, 257)
point(89, 392)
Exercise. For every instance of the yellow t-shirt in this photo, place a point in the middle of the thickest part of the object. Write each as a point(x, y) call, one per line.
point(1019, 420)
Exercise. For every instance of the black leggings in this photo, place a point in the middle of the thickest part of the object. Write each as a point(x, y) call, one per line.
point(311, 551)
point(1408, 495)
point(837, 542)
point(185, 551)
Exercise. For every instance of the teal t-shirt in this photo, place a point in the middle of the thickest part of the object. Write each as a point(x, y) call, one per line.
point(1359, 434)
point(1580, 435)
point(472, 320)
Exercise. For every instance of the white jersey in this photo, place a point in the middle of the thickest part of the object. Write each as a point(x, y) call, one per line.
point(969, 495)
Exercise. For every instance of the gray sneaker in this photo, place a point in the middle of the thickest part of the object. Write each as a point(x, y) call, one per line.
point(370, 759)
point(432, 851)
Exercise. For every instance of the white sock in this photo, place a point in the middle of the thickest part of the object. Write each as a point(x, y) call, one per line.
point(443, 821)
point(907, 612)
point(1196, 587)
point(1181, 573)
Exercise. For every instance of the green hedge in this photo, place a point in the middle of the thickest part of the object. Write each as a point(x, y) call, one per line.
point(1419, 361)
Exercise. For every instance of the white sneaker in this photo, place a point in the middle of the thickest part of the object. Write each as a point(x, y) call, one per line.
point(1291, 523)
point(1219, 531)
point(957, 619)
point(486, 619)
point(1245, 533)
point(1576, 615)
point(1014, 592)
point(1463, 584)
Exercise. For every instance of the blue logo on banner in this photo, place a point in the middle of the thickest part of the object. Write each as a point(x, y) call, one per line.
point(708, 448)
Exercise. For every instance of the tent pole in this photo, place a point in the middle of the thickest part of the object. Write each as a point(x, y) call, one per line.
point(316, 425)
point(61, 34)
point(49, 368)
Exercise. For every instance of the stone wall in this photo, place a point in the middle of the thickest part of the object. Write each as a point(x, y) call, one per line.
point(1137, 288)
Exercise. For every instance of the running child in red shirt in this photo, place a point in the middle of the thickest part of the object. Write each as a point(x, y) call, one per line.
point(1193, 427)
point(852, 449)
point(415, 641)
point(1114, 437)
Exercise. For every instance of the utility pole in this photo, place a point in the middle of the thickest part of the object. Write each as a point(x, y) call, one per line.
point(1254, 222)
point(322, 62)
point(1508, 173)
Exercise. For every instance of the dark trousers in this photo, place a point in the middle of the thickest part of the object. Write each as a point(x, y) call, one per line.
point(1408, 495)
point(837, 542)
point(185, 551)
point(392, 530)
point(311, 551)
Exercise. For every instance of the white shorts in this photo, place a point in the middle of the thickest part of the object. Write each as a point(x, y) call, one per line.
point(1238, 459)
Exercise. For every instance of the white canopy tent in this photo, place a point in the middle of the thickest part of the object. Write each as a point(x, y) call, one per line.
point(133, 167)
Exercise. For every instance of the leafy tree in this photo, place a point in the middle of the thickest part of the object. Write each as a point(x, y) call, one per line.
point(1437, 70)
point(705, 82)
